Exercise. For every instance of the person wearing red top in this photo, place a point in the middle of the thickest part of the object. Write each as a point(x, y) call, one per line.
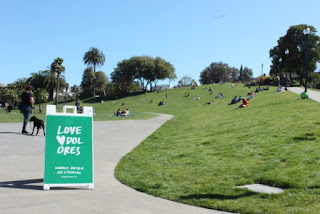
point(245, 103)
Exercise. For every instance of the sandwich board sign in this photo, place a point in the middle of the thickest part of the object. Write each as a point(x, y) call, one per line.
point(68, 148)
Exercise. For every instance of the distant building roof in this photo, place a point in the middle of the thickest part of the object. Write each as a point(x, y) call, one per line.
point(2, 85)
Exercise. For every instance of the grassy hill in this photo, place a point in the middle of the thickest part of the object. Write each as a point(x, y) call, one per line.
point(204, 152)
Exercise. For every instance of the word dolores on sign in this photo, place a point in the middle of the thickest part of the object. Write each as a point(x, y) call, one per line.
point(75, 141)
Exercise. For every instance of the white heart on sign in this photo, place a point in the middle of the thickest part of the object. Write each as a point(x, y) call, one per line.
point(61, 139)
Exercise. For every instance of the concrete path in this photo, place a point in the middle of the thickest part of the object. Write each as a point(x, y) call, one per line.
point(314, 95)
point(21, 174)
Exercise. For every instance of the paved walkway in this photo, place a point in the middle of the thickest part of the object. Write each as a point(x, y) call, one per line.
point(21, 174)
point(314, 95)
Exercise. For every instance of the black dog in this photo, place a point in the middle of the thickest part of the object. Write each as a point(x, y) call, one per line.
point(37, 123)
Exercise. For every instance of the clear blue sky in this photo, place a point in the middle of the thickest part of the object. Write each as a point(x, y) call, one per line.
point(188, 33)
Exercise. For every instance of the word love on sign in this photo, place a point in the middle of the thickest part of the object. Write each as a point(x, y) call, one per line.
point(74, 141)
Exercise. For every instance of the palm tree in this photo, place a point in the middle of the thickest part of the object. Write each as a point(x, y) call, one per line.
point(58, 68)
point(94, 57)
point(39, 93)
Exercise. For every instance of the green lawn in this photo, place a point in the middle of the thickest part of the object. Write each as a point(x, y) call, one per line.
point(200, 155)
point(205, 151)
point(103, 111)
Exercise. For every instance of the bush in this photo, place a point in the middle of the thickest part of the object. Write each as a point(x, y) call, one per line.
point(266, 80)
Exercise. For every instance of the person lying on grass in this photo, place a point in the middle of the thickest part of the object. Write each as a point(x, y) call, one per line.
point(234, 100)
point(196, 98)
point(208, 103)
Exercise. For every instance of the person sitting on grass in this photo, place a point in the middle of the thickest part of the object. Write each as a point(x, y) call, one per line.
point(125, 113)
point(245, 103)
point(279, 89)
point(118, 112)
point(160, 103)
point(220, 95)
point(250, 95)
point(208, 103)
point(234, 100)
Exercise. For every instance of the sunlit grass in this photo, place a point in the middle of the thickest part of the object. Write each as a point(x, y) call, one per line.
point(205, 151)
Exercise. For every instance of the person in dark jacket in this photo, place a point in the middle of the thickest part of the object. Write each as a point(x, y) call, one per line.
point(26, 107)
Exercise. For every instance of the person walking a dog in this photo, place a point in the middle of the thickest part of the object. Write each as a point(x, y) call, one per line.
point(26, 107)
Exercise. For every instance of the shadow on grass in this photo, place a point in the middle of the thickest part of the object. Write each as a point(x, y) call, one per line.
point(217, 196)
point(314, 187)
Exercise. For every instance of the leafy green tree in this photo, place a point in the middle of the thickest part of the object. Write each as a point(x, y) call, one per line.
point(294, 41)
point(75, 89)
point(246, 74)
point(94, 57)
point(38, 80)
point(144, 69)
point(9, 95)
point(45, 79)
point(58, 68)
point(39, 95)
point(218, 72)
point(18, 85)
point(123, 77)
point(87, 82)
point(101, 82)
point(186, 81)
point(163, 70)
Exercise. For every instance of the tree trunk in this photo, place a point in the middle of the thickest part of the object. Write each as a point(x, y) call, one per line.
point(94, 80)
point(150, 86)
point(57, 89)
point(40, 110)
point(290, 76)
point(50, 98)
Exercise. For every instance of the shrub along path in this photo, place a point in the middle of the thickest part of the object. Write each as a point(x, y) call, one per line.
point(314, 95)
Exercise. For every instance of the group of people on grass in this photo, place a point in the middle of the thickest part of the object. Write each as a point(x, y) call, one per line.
point(121, 113)
point(237, 99)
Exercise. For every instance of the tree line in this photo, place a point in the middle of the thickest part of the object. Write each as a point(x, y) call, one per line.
point(219, 72)
point(133, 75)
